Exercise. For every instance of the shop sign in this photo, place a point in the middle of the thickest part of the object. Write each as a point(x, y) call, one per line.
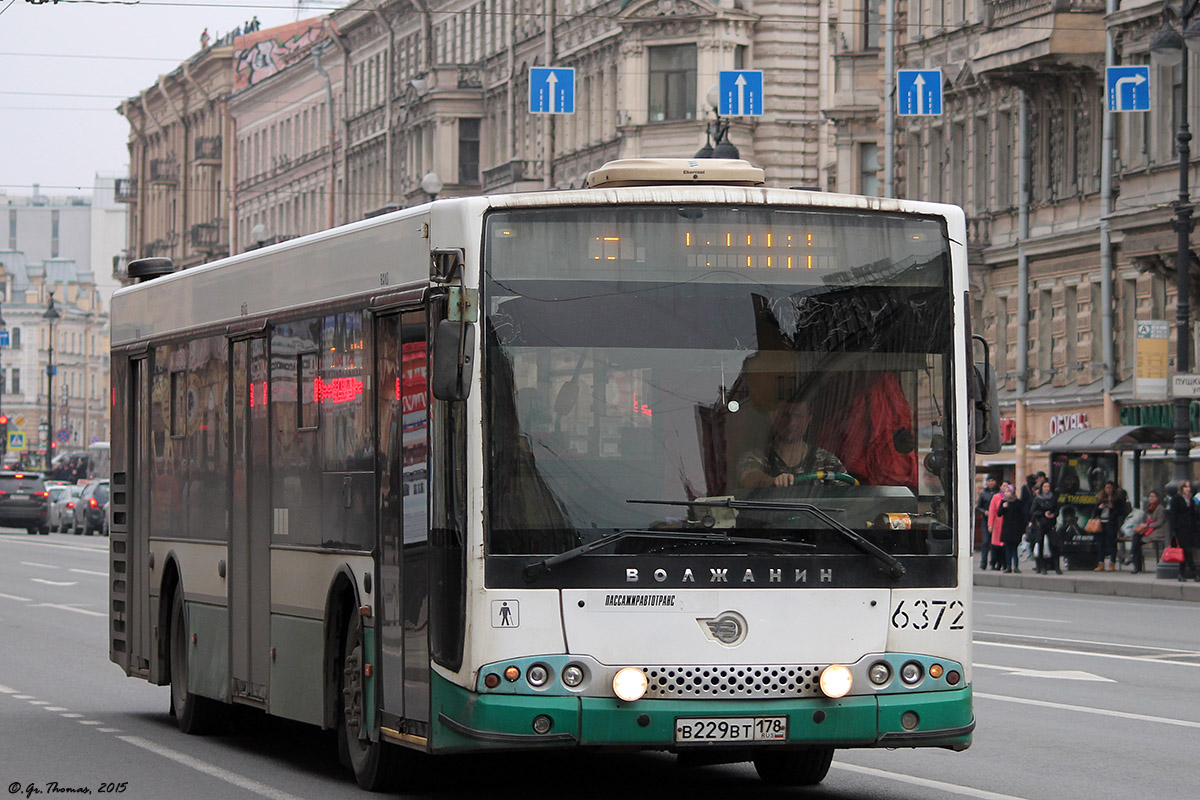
point(1068, 422)
point(1150, 375)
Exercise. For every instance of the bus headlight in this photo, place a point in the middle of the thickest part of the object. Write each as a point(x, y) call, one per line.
point(836, 680)
point(630, 684)
point(911, 673)
point(572, 675)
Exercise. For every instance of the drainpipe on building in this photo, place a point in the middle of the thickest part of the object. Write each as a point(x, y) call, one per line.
point(184, 183)
point(332, 129)
point(1106, 261)
point(1024, 191)
point(512, 75)
point(548, 10)
point(347, 91)
point(389, 180)
point(231, 180)
point(889, 89)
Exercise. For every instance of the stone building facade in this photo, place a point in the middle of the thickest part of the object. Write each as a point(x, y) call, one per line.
point(1042, 61)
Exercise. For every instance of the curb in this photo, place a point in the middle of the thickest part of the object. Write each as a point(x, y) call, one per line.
point(1151, 589)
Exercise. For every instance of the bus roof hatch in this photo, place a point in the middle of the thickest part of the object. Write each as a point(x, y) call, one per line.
point(675, 172)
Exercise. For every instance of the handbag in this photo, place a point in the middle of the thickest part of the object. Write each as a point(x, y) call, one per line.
point(1172, 555)
point(1093, 526)
point(1141, 529)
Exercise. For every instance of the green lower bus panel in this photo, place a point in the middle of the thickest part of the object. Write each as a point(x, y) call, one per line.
point(464, 720)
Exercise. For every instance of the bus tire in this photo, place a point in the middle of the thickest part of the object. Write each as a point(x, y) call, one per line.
point(793, 767)
point(193, 714)
point(375, 764)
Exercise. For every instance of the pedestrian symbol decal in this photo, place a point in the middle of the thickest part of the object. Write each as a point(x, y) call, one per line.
point(506, 614)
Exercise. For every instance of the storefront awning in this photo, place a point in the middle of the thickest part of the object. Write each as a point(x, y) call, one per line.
point(1108, 440)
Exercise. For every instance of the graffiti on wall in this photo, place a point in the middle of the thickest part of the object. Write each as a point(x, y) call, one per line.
point(261, 54)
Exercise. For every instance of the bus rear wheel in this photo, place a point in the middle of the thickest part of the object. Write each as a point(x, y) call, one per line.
point(793, 767)
point(375, 764)
point(193, 714)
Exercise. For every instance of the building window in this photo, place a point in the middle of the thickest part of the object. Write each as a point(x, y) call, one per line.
point(15, 339)
point(468, 151)
point(872, 24)
point(673, 82)
point(12, 229)
point(54, 233)
point(868, 169)
point(1004, 161)
point(16, 382)
point(739, 56)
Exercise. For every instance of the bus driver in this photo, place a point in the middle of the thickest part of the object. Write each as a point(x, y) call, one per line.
point(789, 452)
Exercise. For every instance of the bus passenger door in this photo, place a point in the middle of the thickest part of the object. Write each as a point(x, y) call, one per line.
point(249, 532)
point(137, 527)
point(402, 426)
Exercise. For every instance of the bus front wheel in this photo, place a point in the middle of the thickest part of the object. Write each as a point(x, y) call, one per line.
point(193, 714)
point(374, 763)
point(793, 767)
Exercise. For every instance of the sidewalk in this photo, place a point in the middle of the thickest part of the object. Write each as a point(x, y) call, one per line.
point(1120, 583)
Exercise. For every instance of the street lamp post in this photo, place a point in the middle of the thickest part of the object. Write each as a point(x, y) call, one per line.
point(1167, 48)
point(51, 315)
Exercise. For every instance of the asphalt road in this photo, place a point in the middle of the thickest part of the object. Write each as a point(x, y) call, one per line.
point(1076, 697)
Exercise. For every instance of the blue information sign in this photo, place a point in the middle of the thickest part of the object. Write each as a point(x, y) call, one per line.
point(3, 338)
point(1128, 88)
point(551, 90)
point(918, 92)
point(741, 93)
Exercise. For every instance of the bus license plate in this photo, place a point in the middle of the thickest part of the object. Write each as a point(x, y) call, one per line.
point(701, 730)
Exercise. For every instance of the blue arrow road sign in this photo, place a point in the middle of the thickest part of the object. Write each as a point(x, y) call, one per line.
point(918, 92)
point(551, 90)
point(741, 93)
point(1128, 88)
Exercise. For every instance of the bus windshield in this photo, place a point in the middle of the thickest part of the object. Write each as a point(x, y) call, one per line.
point(700, 353)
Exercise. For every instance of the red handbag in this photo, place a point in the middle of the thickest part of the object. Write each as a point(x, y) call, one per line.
point(1172, 555)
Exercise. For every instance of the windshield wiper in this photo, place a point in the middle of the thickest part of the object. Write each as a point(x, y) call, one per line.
point(895, 568)
point(539, 568)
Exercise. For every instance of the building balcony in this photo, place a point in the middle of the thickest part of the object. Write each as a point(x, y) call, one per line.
point(206, 235)
point(510, 173)
point(125, 190)
point(208, 151)
point(164, 171)
point(1024, 32)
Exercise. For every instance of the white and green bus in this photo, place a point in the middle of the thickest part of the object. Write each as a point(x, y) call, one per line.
point(674, 462)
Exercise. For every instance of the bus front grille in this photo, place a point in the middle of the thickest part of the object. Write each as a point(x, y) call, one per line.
point(733, 681)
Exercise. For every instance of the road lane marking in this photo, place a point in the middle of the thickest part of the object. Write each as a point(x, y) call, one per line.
point(1064, 651)
point(1028, 619)
point(54, 583)
point(109, 730)
point(1104, 712)
point(1057, 674)
point(80, 548)
point(1083, 641)
point(211, 770)
point(8, 690)
point(18, 598)
point(90, 722)
point(36, 564)
point(89, 572)
point(55, 708)
point(39, 702)
point(71, 715)
point(62, 607)
point(966, 791)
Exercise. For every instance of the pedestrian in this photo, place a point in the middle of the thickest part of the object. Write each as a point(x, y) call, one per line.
point(1181, 518)
point(982, 507)
point(1112, 504)
point(1147, 530)
point(1028, 491)
point(994, 526)
point(1043, 511)
point(1011, 519)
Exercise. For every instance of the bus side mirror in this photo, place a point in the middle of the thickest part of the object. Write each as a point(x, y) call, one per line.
point(987, 409)
point(453, 349)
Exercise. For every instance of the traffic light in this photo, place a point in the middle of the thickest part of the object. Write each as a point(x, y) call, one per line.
point(3, 433)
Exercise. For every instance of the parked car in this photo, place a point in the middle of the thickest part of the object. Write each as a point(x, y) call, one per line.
point(24, 501)
point(62, 507)
point(90, 508)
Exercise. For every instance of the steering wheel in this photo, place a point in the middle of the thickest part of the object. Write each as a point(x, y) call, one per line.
point(826, 475)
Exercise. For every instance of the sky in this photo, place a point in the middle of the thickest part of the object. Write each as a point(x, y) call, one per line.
point(65, 65)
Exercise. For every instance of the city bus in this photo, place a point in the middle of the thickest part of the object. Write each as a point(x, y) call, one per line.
point(672, 462)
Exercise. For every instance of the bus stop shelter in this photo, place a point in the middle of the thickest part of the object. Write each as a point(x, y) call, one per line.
point(1124, 438)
